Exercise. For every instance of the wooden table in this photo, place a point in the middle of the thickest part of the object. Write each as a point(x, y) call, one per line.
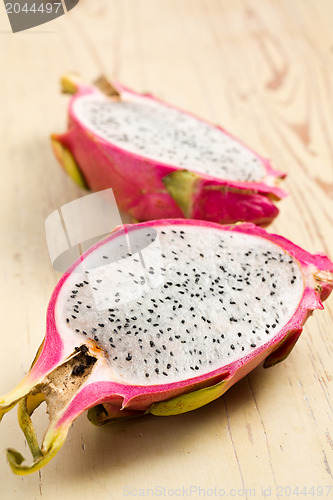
point(263, 69)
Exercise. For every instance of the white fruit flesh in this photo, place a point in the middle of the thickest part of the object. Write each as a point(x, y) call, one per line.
point(156, 131)
point(191, 301)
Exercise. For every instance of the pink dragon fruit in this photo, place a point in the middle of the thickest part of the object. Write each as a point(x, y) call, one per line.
point(162, 318)
point(162, 162)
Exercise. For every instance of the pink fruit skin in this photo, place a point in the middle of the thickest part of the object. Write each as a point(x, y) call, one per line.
point(138, 186)
point(141, 397)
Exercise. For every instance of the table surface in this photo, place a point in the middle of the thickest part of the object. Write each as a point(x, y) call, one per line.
point(264, 71)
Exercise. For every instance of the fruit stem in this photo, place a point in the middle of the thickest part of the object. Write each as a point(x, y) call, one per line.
point(58, 388)
point(71, 83)
point(105, 86)
point(15, 458)
point(53, 441)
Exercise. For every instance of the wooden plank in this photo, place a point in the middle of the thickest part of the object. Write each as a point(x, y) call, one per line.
point(262, 70)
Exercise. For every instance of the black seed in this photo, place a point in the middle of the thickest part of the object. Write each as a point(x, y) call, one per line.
point(128, 357)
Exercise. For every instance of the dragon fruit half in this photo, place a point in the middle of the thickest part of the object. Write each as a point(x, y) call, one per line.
point(162, 162)
point(162, 318)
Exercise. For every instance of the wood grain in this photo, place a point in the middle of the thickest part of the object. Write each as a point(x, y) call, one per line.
point(264, 71)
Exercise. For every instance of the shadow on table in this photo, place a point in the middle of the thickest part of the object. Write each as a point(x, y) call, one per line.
point(129, 444)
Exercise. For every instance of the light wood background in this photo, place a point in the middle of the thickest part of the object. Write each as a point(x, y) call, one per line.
point(262, 69)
